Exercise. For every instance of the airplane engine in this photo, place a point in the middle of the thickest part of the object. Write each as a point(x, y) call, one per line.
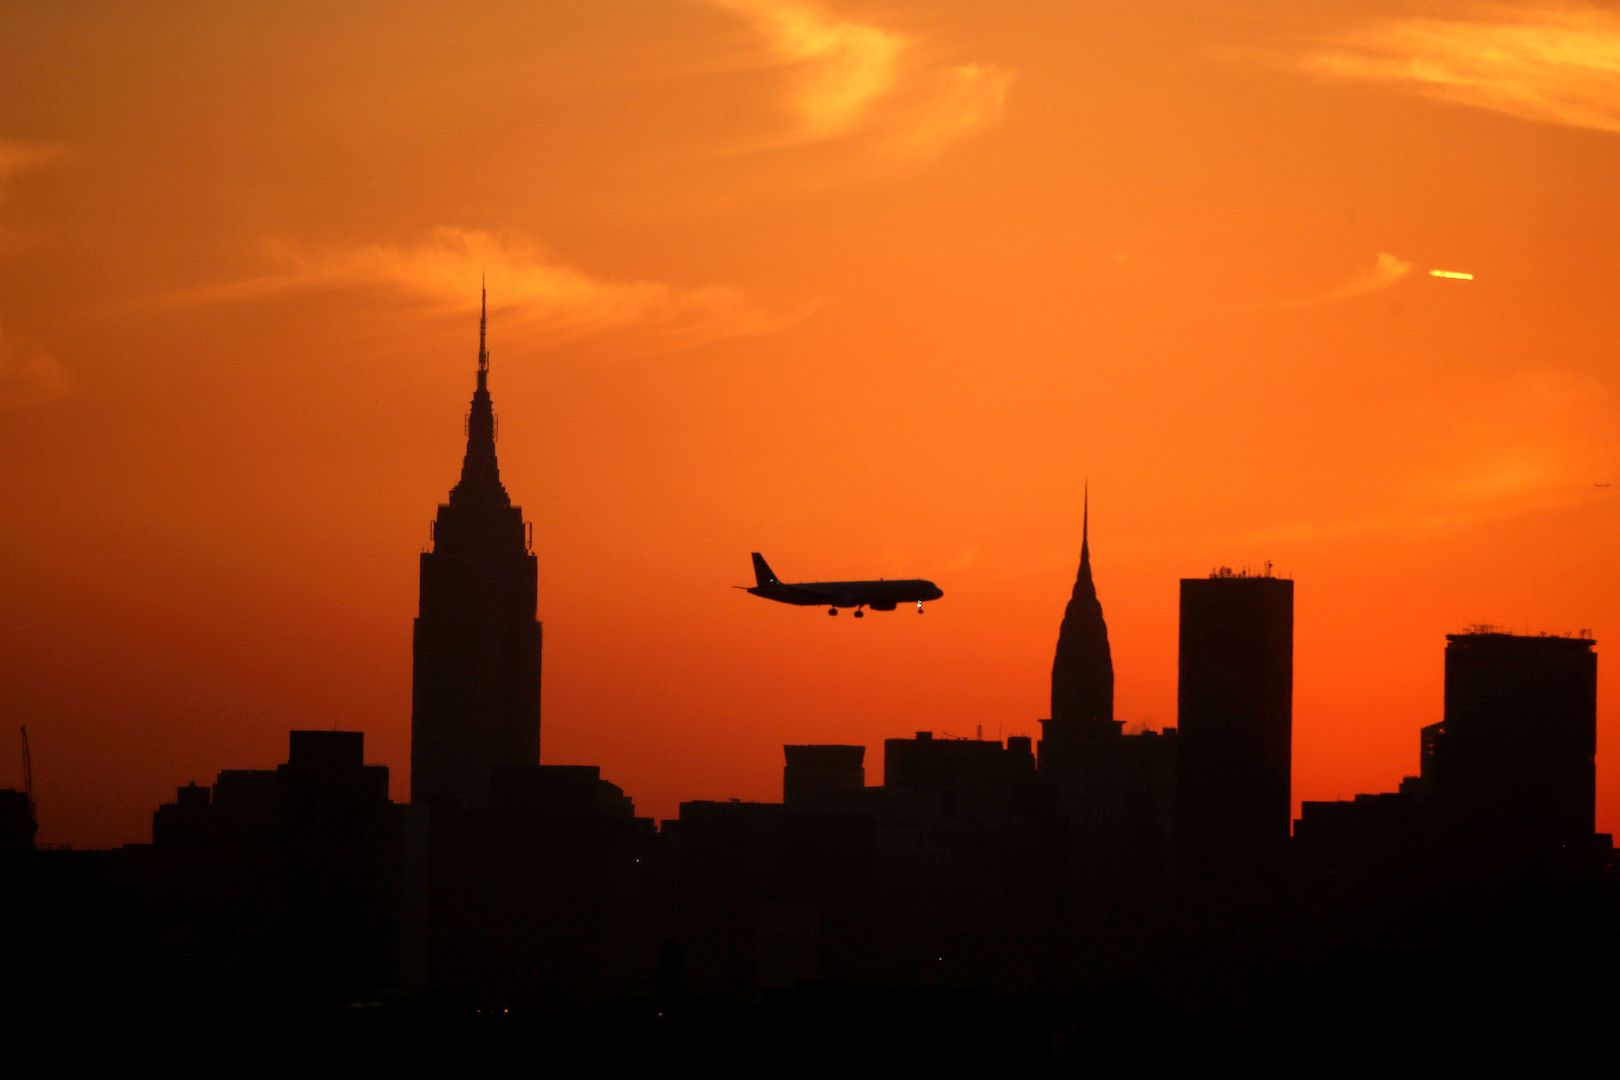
point(888, 606)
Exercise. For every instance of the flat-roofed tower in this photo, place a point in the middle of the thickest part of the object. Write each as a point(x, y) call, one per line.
point(1235, 703)
point(1513, 765)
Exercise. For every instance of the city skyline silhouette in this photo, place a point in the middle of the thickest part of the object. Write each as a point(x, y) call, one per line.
point(1008, 876)
point(758, 774)
point(748, 301)
point(1081, 676)
point(1234, 387)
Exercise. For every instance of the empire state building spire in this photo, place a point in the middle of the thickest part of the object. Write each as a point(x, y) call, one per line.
point(1083, 669)
point(480, 482)
point(475, 676)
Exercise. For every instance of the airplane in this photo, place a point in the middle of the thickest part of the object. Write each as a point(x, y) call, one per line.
point(878, 595)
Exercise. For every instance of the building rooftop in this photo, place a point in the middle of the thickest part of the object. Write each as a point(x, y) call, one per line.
point(1225, 573)
point(1483, 634)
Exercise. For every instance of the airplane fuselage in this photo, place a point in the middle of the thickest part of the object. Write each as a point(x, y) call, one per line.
point(879, 595)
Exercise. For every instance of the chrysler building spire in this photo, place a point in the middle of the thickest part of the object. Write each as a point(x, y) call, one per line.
point(1083, 669)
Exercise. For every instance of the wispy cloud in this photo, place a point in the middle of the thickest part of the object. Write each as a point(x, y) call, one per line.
point(963, 99)
point(17, 156)
point(1514, 482)
point(843, 65)
point(29, 375)
point(1386, 270)
point(847, 77)
point(1552, 64)
point(536, 290)
point(1536, 440)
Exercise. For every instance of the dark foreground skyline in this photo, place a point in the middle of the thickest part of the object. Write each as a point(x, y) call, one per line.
point(1059, 900)
point(1186, 252)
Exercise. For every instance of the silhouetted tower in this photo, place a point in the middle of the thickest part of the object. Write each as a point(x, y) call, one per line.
point(1511, 769)
point(475, 700)
point(1235, 702)
point(1079, 742)
point(1083, 669)
point(818, 773)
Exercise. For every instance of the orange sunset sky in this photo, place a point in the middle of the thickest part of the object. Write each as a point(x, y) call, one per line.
point(872, 287)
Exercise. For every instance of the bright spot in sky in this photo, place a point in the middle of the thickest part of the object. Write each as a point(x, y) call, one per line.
point(1454, 275)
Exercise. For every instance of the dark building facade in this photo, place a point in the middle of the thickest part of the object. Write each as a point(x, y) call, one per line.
point(977, 779)
point(1083, 668)
point(1511, 768)
point(939, 880)
point(1235, 707)
point(475, 700)
point(548, 898)
point(1079, 743)
point(279, 885)
point(1372, 839)
point(17, 825)
point(1112, 789)
point(821, 772)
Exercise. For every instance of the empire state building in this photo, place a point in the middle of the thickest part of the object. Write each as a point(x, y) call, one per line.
point(475, 693)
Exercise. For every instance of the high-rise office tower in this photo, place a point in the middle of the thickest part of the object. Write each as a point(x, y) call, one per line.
point(475, 701)
point(1235, 702)
point(822, 773)
point(1083, 669)
point(1103, 780)
point(1080, 740)
point(1511, 768)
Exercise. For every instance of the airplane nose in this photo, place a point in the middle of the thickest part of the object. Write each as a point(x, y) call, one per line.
point(938, 592)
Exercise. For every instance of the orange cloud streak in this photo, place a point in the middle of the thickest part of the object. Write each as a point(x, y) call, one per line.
point(16, 156)
point(29, 375)
point(1556, 65)
point(853, 77)
point(1386, 271)
point(537, 291)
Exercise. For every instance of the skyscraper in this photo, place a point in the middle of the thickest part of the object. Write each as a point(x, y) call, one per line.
point(1235, 702)
point(1511, 768)
point(475, 701)
point(1083, 669)
point(1112, 788)
point(1079, 740)
point(818, 773)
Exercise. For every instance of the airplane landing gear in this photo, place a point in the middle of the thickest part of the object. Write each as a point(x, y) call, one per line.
point(920, 610)
point(832, 611)
point(859, 614)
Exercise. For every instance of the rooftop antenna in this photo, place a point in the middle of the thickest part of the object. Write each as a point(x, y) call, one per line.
point(1085, 515)
point(28, 775)
point(483, 325)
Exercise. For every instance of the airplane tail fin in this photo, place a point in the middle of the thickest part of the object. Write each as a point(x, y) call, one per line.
point(762, 571)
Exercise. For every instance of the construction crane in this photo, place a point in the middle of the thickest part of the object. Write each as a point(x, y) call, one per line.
point(28, 777)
